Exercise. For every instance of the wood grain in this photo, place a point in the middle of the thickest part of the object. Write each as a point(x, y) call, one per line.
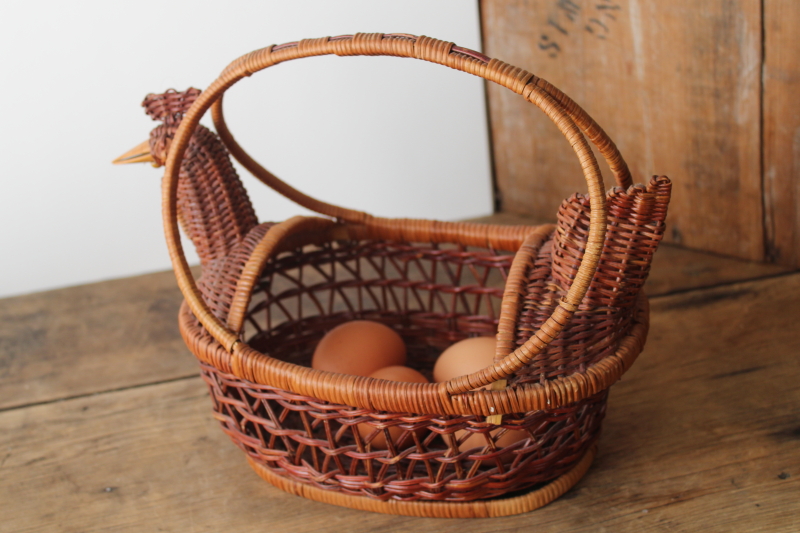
point(676, 86)
point(677, 269)
point(703, 434)
point(91, 338)
point(782, 131)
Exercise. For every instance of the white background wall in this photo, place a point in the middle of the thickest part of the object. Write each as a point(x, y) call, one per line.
point(391, 136)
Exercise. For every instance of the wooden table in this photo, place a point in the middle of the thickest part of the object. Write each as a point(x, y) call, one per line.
point(105, 424)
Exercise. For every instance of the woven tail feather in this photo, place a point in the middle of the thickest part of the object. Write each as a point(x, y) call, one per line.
point(636, 226)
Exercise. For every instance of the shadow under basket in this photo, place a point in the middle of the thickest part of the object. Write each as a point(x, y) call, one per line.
point(563, 301)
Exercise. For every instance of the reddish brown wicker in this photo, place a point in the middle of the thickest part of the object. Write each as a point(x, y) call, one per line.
point(564, 301)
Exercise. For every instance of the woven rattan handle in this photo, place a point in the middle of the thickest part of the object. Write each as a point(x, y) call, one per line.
point(582, 119)
point(533, 89)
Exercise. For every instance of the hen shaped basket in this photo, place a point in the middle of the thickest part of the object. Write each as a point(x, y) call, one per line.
point(564, 302)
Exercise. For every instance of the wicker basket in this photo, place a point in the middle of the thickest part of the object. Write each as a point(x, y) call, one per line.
point(564, 301)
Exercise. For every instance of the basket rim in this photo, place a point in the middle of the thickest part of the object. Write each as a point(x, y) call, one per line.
point(417, 398)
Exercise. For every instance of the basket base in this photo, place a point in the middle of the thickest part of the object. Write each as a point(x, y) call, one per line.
point(473, 509)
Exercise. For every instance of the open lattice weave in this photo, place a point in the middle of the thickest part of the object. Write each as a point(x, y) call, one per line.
point(433, 295)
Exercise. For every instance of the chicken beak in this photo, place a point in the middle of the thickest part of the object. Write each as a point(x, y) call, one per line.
point(138, 154)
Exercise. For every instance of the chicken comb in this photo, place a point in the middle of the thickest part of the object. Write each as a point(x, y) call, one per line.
point(171, 104)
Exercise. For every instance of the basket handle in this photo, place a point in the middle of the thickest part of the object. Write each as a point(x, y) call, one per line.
point(586, 123)
point(445, 53)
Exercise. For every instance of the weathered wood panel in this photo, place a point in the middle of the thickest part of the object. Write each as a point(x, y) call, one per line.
point(91, 338)
point(675, 84)
point(701, 435)
point(782, 130)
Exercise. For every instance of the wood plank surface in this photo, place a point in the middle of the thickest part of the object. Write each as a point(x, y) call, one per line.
point(703, 434)
point(677, 269)
point(91, 338)
point(677, 87)
point(782, 131)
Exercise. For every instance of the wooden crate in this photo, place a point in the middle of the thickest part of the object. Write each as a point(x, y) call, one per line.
point(704, 93)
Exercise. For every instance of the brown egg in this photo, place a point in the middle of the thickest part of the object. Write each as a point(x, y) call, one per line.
point(359, 348)
point(391, 373)
point(400, 373)
point(464, 357)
